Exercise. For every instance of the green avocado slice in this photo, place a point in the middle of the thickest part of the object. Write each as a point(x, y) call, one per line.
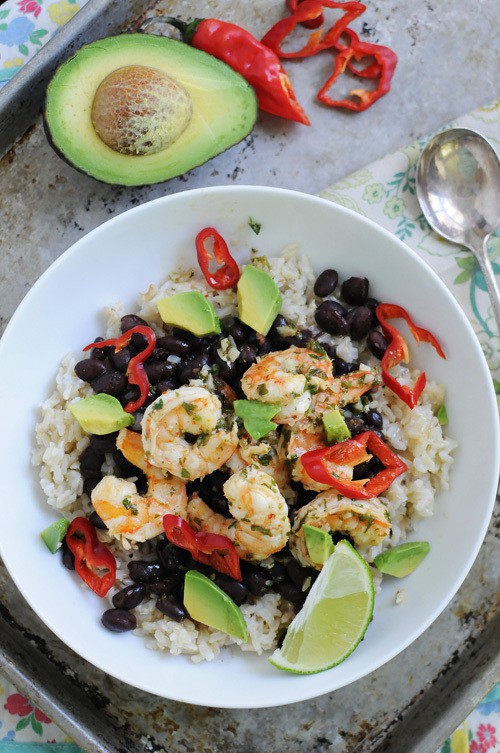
point(403, 559)
point(319, 544)
point(335, 426)
point(191, 311)
point(259, 299)
point(221, 109)
point(208, 604)
point(100, 414)
point(54, 534)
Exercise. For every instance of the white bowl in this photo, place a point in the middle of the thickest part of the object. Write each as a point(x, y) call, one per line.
point(117, 261)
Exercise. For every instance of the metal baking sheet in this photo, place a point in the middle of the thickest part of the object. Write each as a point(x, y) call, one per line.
point(417, 699)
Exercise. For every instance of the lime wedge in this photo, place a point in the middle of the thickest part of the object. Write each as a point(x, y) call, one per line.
point(334, 617)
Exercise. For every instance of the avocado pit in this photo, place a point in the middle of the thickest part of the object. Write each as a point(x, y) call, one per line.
point(140, 110)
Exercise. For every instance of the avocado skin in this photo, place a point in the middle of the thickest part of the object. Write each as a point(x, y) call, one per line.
point(195, 159)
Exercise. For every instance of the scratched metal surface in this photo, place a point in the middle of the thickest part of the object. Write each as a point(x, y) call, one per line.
point(414, 701)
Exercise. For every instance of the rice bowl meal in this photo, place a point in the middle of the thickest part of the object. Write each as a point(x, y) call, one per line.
point(235, 451)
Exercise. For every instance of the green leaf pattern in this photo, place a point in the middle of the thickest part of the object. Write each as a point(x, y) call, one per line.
point(385, 191)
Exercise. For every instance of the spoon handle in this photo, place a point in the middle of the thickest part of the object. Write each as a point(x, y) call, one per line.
point(480, 251)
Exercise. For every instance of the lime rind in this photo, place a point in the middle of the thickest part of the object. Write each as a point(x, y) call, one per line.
point(345, 577)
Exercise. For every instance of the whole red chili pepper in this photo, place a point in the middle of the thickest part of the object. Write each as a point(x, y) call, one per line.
point(208, 548)
point(383, 69)
point(250, 58)
point(135, 373)
point(307, 11)
point(321, 465)
point(228, 272)
point(397, 351)
point(94, 563)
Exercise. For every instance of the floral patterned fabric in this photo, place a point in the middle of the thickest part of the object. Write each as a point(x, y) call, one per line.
point(383, 191)
point(25, 26)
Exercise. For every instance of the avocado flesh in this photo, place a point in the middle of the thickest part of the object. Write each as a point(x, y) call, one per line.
point(190, 311)
point(319, 544)
point(208, 604)
point(224, 108)
point(403, 559)
point(259, 299)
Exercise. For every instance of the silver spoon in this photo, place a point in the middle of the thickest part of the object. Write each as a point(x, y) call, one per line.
point(458, 187)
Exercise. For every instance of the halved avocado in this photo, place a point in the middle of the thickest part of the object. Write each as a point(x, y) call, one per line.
point(137, 109)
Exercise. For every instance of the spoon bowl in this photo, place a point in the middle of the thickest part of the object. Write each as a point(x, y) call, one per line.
point(458, 187)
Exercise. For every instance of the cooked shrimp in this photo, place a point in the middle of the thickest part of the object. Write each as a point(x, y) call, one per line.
point(187, 410)
point(263, 453)
point(288, 378)
point(126, 512)
point(366, 522)
point(259, 526)
point(309, 434)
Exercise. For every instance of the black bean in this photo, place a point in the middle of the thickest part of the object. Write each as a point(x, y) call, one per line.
point(193, 368)
point(355, 290)
point(195, 342)
point(104, 442)
point(373, 418)
point(341, 367)
point(219, 504)
point(91, 462)
point(141, 483)
point(120, 359)
point(126, 467)
point(355, 425)
point(326, 283)
point(129, 395)
point(256, 581)
point(239, 332)
point(154, 370)
point(372, 304)
point(119, 620)
point(132, 320)
point(165, 585)
point(276, 573)
point(142, 571)
point(177, 345)
point(172, 608)
point(376, 343)
point(170, 556)
point(305, 336)
point(280, 321)
point(360, 322)
point(289, 591)
point(100, 353)
point(138, 342)
point(233, 588)
point(90, 483)
point(164, 385)
point(89, 369)
point(67, 556)
point(248, 354)
point(97, 522)
point(160, 354)
point(293, 340)
point(110, 382)
point(129, 597)
point(330, 316)
point(298, 574)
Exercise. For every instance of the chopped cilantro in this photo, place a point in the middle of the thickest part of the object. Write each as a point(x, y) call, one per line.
point(256, 226)
point(189, 407)
point(317, 347)
point(185, 473)
point(158, 404)
point(260, 529)
point(262, 390)
point(129, 505)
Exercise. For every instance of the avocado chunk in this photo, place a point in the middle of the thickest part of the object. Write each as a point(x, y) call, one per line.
point(335, 426)
point(191, 311)
point(54, 534)
point(319, 544)
point(256, 416)
point(138, 109)
point(207, 603)
point(100, 414)
point(403, 559)
point(259, 299)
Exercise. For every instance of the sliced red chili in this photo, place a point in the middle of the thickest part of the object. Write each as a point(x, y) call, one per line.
point(135, 373)
point(314, 23)
point(397, 351)
point(328, 465)
point(382, 68)
point(306, 12)
point(211, 247)
point(252, 59)
point(94, 563)
point(208, 548)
